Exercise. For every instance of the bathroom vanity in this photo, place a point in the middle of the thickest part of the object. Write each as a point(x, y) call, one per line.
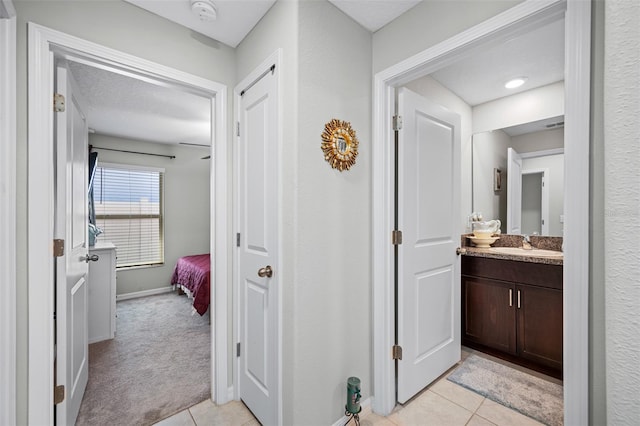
point(512, 307)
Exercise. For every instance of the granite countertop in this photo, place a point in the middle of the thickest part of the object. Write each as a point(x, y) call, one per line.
point(537, 242)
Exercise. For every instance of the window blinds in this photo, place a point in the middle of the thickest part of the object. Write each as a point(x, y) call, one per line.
point(129, 210)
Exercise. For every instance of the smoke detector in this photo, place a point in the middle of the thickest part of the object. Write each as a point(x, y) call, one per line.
point(204, 9)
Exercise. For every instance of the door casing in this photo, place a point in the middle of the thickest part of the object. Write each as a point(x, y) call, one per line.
point(514, 192)
point(522, 17)
point(544, 197)
point(41, 45)
point(8, 289)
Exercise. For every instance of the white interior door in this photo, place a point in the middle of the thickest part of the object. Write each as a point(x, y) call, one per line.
point(535, 200)
point(71, 225)
point(514, 192)
point(532, 203)
point(258, 251)
point(429, 217)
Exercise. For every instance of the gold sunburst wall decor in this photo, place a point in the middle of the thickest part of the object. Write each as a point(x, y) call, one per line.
point(339, 144)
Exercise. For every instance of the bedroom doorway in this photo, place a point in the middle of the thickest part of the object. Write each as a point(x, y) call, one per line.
point(148, 164)
point(44, 43)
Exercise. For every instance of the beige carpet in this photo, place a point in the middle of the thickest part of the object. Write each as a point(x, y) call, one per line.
point(158, 364)
point(530, 395)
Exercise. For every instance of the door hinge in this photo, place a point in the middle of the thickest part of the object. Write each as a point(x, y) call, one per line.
point(396, 352)
point(397, 123)
point(396, 237)
point(237, 128)
point(58, 102)
point(58, 248)
point(238, 239)
point(58, 394)
point(238, 349)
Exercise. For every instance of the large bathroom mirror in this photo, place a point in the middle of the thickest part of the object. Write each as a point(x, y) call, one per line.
point(496, 115)
point(528, 163)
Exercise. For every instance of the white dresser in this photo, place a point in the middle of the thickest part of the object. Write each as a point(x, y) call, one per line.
point(102, 292)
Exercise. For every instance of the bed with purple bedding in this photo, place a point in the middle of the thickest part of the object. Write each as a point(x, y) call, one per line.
point(192, 275)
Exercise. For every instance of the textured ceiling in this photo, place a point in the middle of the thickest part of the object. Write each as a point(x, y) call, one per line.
point(538, 55)
point(374, 14)
point(235, 18)
point(131, 108)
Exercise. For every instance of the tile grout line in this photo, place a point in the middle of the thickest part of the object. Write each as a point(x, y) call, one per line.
point(472, 412)
point(191, 415)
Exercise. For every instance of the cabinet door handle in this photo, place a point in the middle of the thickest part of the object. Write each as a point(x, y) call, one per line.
point(518, 299)
point(510, 297)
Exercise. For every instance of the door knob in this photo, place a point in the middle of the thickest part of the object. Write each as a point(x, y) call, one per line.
point(92, 258)
point(265, 272)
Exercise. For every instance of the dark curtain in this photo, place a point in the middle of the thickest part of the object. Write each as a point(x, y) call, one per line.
point(93, 162)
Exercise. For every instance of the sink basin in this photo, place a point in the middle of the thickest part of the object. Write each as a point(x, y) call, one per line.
point(517, 251)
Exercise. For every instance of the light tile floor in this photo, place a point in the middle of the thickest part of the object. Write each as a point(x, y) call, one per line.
point(443, 403)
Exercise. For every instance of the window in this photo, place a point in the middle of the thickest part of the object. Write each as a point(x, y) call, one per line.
point(129, 210)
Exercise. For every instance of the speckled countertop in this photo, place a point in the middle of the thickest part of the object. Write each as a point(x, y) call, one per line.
point(538, 242)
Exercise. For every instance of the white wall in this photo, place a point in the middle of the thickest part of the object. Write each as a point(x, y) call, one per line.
point(332, 305)
point(538, 141)
point(622, 209)
point(279, 29)
point(121, 26)
point(490, 152)
point(437, 93)
point(325, 217)
point(525, 107)
point(427, 24)
point(186, 204)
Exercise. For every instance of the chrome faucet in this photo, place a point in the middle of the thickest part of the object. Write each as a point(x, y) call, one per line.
point(526, 242)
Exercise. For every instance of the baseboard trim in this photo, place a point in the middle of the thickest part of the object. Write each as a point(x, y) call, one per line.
point(136, 294)
point(230, 394)
point(366, 409)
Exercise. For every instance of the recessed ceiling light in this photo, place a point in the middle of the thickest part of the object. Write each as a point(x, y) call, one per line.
point(516, 82)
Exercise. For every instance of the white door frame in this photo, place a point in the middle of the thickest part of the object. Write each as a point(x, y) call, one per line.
point(545, 174)
point(40, 197)
point(544, 194)
point(523, 16)
point(8, 213)
point(256, 74)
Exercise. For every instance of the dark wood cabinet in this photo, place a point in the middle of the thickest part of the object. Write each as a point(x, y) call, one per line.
point(513, 310)
point(540, 325)
point(488, 315)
